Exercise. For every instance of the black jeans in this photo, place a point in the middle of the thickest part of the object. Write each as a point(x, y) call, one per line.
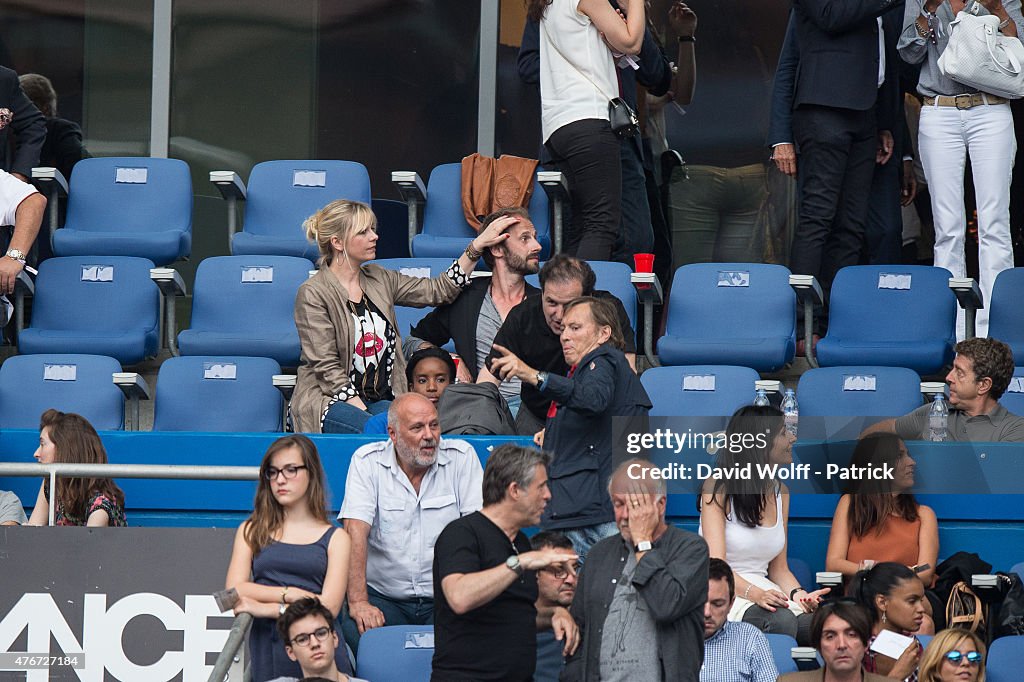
point(587, 152)
point(837, 160)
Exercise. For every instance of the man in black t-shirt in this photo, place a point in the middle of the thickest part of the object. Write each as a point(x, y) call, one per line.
point(485, 582)
point(532, 330)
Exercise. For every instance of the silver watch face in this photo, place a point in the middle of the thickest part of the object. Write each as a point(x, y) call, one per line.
point(513, 562)
point(16, 254)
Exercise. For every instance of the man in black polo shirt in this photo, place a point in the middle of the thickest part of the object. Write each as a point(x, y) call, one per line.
point(485, 581)
point(532, 330)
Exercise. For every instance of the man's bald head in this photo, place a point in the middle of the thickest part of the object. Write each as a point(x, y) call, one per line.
point(414, 428)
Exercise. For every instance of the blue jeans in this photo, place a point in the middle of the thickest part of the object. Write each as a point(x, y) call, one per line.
point(585, 537)
point(343, 418)
point(416, 611)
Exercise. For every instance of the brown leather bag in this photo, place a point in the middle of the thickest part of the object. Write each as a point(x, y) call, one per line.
point(489, 185)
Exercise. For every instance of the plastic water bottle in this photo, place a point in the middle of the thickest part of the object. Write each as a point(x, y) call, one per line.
point(790, 411)
point(761, 399)
point(938, 419)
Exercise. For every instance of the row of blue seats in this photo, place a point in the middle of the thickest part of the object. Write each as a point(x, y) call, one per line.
point(140, 206)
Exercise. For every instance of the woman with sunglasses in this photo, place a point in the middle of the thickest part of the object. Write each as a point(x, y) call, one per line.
point(286, 550)
point(953, 656)
point(880, 520)
point(895, 597)
point(745, 524)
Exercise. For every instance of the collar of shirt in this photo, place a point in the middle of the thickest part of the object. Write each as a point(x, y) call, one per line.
point(390, 460)
point(996, 415)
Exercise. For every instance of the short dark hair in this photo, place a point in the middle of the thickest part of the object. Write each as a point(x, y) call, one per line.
point(500, 213)
point(429, 352)
point(39, 89)
point(299, 609)
point(992, 359)
point(563, 268)
point(719, 570)
point(845, 609)
point(509, 464)
point(550, 538)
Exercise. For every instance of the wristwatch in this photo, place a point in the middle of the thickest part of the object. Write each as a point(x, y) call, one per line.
point(541, 378)
point(644, 546)
point(16, 254)
point(513, 563)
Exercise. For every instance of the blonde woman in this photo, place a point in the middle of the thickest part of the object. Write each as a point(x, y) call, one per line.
point(286, 550)
point(352, 365)
point(953, 656)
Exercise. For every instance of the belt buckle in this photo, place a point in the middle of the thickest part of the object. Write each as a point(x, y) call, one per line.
point(967, 100)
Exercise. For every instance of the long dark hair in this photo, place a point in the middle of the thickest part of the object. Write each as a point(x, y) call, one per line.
point(748, 498)
point(880, 580)
point(535, 9)
point(268, 515)
point(872, 501)
point(76, 441)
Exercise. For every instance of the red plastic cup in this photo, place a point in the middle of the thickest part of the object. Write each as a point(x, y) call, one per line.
point(644, 262)
point(457, 359)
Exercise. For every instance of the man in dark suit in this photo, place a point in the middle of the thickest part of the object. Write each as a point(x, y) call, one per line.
point(843, 114)
point(22, 136)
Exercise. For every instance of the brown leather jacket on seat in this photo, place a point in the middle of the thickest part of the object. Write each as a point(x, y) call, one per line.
point(491, 184)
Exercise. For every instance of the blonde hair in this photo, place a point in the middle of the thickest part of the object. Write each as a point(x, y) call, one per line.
point(339, 219)
point(942, 644)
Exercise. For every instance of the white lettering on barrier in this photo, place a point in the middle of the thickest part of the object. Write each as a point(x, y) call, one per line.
point(102, 635)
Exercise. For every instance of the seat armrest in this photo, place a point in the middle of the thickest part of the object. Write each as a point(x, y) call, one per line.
point(932, 388)
point(50, 181)
point(135, 389)
point(649, 294)
point(286, 384)
point(968, 295)
point(169, 281)
point(229, 184)
point(410, 186)
point(171, 286)
point(809, 294)
point(556, 186)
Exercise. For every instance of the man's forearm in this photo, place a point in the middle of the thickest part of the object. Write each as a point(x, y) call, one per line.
point(27, 219)
point(356, 589)
point(472, 590)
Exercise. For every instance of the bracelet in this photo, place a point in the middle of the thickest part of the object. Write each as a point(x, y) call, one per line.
point(794, 591)
point(687, 39)
point(284, 593)
point(747, 591)
point(471, 253)
point(1004, 23)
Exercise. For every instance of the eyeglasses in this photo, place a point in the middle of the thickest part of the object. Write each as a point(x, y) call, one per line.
point(561, 572)
point(290, 471)
point(973, 657)
point(320, 633)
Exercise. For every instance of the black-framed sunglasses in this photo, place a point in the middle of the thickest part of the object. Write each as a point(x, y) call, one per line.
point(290, 471)
point(561, 571)
point(973, 657)
point(321, 634)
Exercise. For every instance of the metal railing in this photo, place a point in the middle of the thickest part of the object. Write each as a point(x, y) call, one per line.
point(242, 622)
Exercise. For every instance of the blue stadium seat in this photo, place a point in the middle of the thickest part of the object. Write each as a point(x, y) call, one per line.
point(83, 384)
point(833, 398)
point(1018, 568)
point(445, 230)
point(239, 389)
point(383, 656)
point(99, 305)
point(245, 305)
point(1005, 659)
point(687, 391)
point(730, 314)
point(282, 194)
point(405, 316)
point(782, 646)
point(891, 315)
point(1005, 319)
point(1013, 398)
point(801, 570)
point(128, 206)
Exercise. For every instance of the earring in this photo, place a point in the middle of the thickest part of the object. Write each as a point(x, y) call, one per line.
point(883, 617)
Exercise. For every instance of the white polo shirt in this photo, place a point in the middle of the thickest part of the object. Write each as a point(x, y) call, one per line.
point(403, 525)
point(12, 192)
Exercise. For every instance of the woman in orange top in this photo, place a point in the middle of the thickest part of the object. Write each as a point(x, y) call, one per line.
point(879, 520)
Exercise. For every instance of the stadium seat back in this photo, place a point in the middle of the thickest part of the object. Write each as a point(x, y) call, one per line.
point(128, 206)
point(240, 388)
point(83, 384)
point(385, 657)
point(1005, 318)
point(1013, 398)
point(782, 646)
point(1005, 659)
point(699, 390)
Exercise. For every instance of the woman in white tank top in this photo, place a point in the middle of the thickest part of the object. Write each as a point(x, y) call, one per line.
point(577, 79)
point(745, 521)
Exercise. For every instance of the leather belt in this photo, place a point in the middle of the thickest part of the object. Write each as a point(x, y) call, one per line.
point(967, 101)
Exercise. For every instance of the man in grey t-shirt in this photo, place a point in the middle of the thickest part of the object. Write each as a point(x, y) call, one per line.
point(11, 511)
point(981, 374)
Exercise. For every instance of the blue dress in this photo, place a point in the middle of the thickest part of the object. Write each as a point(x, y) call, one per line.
point(280, 564)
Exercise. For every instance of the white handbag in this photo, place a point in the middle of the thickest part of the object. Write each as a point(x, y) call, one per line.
point(981, 57)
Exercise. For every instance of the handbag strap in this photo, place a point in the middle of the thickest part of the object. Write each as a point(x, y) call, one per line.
point(569, 62)
point(991, 40)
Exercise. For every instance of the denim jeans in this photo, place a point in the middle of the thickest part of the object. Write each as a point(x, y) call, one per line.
point(585, 537)
point(417, 611)
point(344, 418)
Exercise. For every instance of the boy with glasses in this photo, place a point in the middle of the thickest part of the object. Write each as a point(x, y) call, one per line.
point(310, 640)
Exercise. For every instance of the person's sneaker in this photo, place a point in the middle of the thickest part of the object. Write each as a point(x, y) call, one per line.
point(801, 347)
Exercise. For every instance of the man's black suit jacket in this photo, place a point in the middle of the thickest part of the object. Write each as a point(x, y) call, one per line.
point(22, 138)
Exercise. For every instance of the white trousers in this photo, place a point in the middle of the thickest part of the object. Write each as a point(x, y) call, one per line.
point(945, 137)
